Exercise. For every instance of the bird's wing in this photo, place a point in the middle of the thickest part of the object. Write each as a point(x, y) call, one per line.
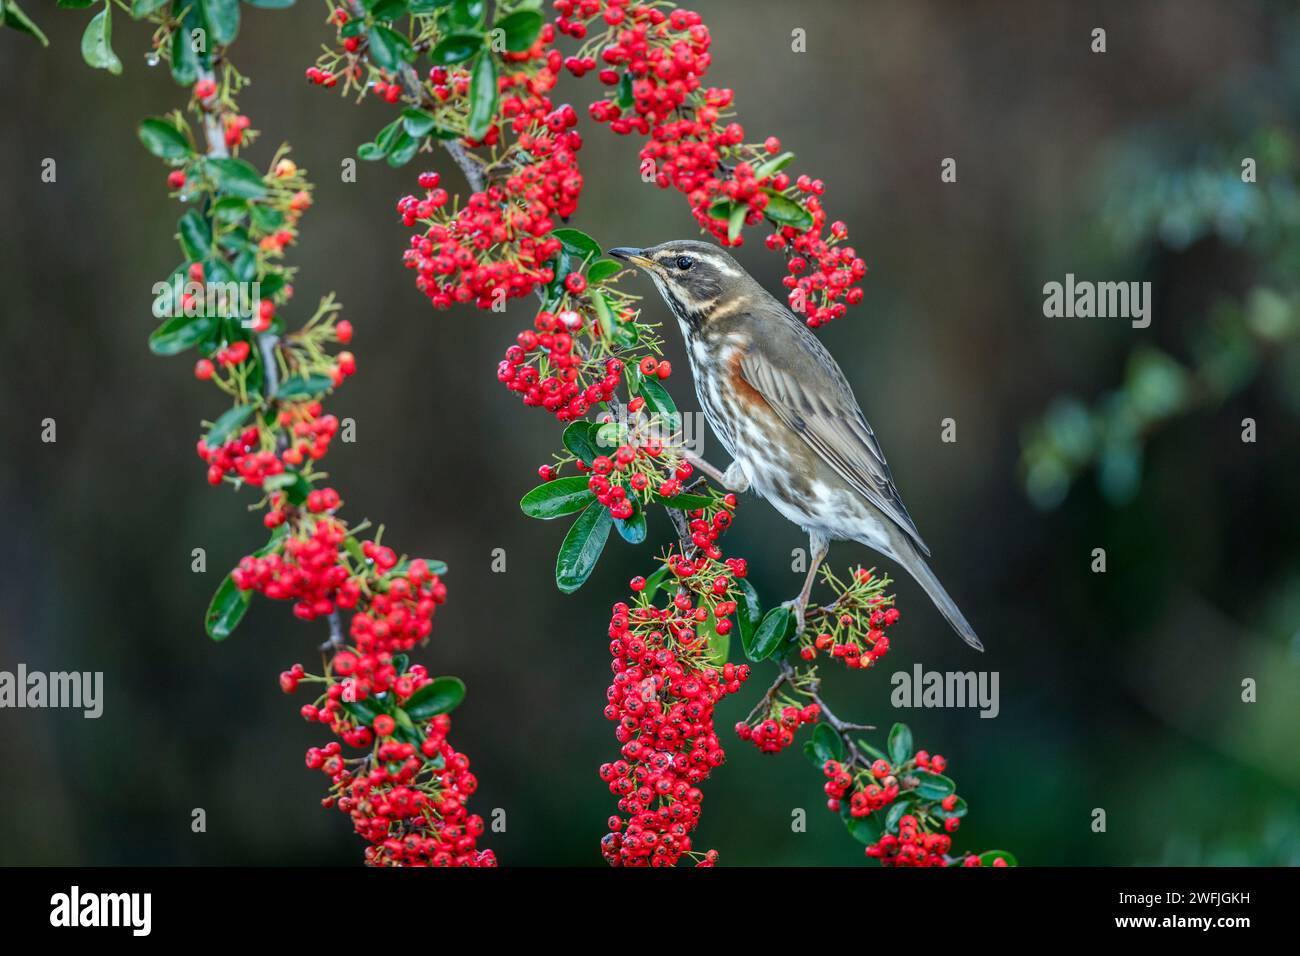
point(825, 414)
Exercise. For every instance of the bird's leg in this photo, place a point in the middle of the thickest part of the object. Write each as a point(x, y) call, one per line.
point(818, 545)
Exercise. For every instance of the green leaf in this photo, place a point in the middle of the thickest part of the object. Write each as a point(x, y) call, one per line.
point(364, 711)
point(736, 221)
point(932, 786)
point(235, 177)
point(771, 167)
point(304, 386)
point(195, 235)
point(577, 243)
point(225, 425)
point(417, 123)
point(142, 8)
point(164, 140)
point(604, 318)
point(900, 744)
point(404, 150)
point(97, 42)
point(293, 484)
point(602, 270)
point(659, 402)
point(222, 17)
point(748, 613)
point(632, 529)
point(388, 10)
point(229, 209)
point(580, 440)
point(866, 829)
point(187, 61)
point(827, 744)
point(810, 752)
point(897, 810)
point(441, 695)
point(654, 582)
point(466, 13)
point(75, 4)
point(270, 4)
point(785, 211)
point(874, 752)
point(482, 96)
point(582, 547)
point(180, 333)
point(12, 15)
point(389, 50)
point(521, 29)
point(626, 98)
point(686, 501)
point(988, 856)
point(226, 609)
point(769, 634)
point(958, 810)
point(719, 644)
point(562, 496)
point(456, 48)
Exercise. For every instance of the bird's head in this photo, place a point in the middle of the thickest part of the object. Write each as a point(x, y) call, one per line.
point(697, 279)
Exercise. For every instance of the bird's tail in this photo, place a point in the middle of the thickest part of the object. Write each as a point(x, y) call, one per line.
point(907, 555)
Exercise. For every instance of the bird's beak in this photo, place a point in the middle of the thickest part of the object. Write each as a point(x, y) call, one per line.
point(634, 256)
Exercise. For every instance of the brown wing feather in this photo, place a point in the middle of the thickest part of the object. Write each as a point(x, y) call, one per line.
point(815, 400)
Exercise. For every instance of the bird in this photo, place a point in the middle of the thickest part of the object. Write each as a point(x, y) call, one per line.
point(781, 406)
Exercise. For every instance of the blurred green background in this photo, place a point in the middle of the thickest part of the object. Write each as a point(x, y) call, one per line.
point(1119, 690)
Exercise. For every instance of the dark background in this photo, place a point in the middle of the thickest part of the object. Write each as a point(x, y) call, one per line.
point(1119, 691)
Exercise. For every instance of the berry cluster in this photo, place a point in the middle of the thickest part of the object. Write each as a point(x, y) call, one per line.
point(662, 698)
point(775, 732)
point(852, 627)
point(409, 802)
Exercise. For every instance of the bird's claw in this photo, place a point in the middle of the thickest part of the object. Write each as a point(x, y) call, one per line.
point(797, 606)
point(735, 479)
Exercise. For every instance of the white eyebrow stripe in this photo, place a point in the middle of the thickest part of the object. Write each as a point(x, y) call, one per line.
point(726, 268)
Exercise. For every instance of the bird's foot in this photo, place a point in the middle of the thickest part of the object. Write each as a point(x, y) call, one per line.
point(797, 607)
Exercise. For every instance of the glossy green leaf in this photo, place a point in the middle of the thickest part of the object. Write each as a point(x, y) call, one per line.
point(554, 499)
point(770, 633)
point(142, 8)
point(226, 609)
point(225, 425)
point(988, 856)
point(736, 221)
point(958, 810)
point(633, 529)
point(582, 548)
point(749, 613)
point(770, 167)
point(604, 317)
point(603, 269)
point(363, 711)
point(866, 830)
point(294, 485)
point(187, 60)
point(404, 150)
point(180, 333)
point(387, 10)
point(827, 743)
point(900, 744)
point(12, 15)
point(389, 50)
point(932, 786)
point(687, 502)
point(719, 644)
point(654, 582)
point(520, 28)
point(97, 42)
point(465, 14)
point(163, 139)
point(483, 96)
point(235, 177)
point(659, 401)
point(897, 810)
point(442, 695)
point(785, 211)
point(270, 4)
point(579, 438)
point(304, 386)
point(577, 243)
point(456, 48)
point(195, 235)
point(222, 17)
point(419, 124)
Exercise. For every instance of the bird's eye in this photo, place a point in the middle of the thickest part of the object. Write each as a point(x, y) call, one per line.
point(685, 262)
